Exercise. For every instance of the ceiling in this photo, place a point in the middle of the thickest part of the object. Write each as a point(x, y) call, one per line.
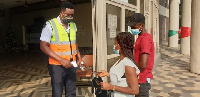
point(5, 4)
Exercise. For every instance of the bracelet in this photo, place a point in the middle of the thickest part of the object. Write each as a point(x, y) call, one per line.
point(114, 88)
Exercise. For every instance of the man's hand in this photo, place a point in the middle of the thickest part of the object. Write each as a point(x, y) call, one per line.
point(65, 63)
point(79, 62)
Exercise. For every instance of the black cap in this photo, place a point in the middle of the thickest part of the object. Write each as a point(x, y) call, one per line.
point(136, 18)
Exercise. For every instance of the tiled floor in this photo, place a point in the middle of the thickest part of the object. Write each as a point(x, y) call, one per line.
point(172, 77)
point(26, 75)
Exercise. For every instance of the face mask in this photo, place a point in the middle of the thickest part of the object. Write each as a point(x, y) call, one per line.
point(116, 51)
point(67, 21)
point(135, 31)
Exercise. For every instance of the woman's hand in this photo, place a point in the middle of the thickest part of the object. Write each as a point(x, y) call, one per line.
point(106, 86)
point(103, 73)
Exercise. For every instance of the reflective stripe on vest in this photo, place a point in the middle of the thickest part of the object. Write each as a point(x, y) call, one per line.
point(60, 43)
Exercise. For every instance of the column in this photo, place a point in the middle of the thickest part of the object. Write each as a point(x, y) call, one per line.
point(94, 34)
point(151, 18)
point(138, 6)
point(122, 19)
point(25, 45)
point(138, 11)
point(195, 38)
point(174, 23)
point(101, 36)
point(185, 26)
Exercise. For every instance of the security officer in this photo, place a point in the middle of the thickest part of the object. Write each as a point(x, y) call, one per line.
point(58, 41)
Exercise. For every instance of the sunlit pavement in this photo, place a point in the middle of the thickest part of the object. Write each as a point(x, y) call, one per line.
point(172, 77)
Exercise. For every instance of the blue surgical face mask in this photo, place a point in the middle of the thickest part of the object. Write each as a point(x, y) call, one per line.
point(116, 51)
point(135, 31)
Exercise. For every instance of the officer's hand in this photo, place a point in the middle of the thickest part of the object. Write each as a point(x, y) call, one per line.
point(79, 62)
point(65, 63)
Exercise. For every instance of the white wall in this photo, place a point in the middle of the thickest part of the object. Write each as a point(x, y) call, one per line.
point(82, 19)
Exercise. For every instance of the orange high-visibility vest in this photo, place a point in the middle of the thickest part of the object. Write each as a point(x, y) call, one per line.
point(60, 42)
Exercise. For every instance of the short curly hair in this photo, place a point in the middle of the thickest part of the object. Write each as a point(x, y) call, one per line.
point(65, 5)
point(126, 41)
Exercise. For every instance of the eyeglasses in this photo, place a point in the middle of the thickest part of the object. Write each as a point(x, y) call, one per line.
point(69, 15)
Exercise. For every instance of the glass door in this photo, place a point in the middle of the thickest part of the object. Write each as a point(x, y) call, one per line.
point(113, 21)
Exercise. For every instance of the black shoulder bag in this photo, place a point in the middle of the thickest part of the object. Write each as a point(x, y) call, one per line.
point(98, 92)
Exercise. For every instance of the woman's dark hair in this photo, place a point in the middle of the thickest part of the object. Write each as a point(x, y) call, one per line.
point(65, 5)
point(126, 40)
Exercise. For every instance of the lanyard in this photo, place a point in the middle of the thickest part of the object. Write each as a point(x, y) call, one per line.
point(71, 59)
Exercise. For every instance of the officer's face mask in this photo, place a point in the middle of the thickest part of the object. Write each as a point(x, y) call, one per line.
point(67, 20)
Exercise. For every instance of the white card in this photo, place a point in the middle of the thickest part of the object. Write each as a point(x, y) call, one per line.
point(74, 64)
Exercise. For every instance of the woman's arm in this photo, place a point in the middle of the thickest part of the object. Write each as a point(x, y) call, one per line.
point(131, 77)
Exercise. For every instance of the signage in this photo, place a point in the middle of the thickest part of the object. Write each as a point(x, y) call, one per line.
point(33, 38)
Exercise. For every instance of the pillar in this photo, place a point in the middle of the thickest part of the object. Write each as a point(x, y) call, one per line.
point(138, 11)
point(122, 19)
point(195, 38)
point(138, 6)
point(94, 34)
point(174, 23)
point(185, 26)
point(101, 36)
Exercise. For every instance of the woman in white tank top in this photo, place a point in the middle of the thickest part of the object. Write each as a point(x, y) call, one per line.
point(123, 74)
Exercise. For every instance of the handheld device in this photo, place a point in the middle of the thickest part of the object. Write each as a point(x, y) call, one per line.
point(74, 63)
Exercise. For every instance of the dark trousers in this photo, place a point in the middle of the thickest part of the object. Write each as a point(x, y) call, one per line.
point(60, 77)
point(144, 89)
